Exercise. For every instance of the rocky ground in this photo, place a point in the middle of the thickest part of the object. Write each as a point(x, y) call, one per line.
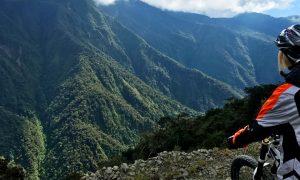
point(200, 164)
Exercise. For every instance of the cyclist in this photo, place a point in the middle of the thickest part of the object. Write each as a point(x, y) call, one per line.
point(280, 114)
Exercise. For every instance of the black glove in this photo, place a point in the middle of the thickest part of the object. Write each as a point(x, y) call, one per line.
point(238, 134)
point(230, 143)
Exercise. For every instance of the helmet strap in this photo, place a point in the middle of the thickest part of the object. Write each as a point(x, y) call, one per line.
point(285, 72)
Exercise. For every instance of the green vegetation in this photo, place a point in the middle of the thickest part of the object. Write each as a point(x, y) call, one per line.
point(206, 131)
point(239, 50)
point(9, 170)
point(77, 87)
point(198, 164)
point(22, 138)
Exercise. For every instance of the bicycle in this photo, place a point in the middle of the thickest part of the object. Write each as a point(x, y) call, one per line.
point(245, 167)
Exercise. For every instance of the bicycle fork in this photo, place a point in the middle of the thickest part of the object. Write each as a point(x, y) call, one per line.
point(265, 146)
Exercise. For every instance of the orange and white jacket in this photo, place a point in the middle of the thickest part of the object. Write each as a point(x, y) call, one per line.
point(279, 115)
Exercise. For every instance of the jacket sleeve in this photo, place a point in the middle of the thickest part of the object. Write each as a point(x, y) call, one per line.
point(251, 133)
point(279, 109)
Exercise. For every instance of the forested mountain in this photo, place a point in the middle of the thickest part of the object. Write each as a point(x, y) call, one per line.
point(77, 87)
point(239, 50)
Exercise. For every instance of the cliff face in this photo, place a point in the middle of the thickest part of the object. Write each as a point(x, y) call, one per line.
point(201, 164)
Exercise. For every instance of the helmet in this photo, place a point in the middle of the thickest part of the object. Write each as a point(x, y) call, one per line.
point(288, 41)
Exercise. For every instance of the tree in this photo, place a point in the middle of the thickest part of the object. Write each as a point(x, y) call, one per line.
point(9, 170)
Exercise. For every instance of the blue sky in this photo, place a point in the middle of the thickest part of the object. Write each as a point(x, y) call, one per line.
point(292, 9)
point(225, 8)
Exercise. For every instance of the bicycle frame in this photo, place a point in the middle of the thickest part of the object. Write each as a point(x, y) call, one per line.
point(269, 147)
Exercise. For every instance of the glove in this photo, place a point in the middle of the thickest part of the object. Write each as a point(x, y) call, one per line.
point(230, 143)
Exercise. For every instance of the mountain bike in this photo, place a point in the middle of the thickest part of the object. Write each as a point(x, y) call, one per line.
point(247, 167)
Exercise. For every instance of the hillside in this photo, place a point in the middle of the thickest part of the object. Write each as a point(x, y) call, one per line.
point(238, 51)
point(176, 149)
point(187, 133)
point(201, 164)
point(76, 87)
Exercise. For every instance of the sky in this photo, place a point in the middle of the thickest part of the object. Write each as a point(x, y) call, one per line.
point(292, 9)
point(226, 8)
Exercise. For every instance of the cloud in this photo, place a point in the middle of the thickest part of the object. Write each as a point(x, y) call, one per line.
point(214, 8)
point(220, 8)
point(104, 2)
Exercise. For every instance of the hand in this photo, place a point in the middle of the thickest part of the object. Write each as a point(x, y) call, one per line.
point(230, 143)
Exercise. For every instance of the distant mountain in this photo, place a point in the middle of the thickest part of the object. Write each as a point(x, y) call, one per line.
point(265, 24)
point(238, 51)
point(77, 87)
point(295, 19)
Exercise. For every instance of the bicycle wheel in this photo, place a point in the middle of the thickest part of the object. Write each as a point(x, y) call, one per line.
point(242, 167)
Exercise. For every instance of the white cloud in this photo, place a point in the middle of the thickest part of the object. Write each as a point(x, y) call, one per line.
point(220, 8)
point(214, 8)
point(104, 2)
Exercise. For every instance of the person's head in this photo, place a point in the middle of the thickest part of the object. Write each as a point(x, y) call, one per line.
point(288, 43)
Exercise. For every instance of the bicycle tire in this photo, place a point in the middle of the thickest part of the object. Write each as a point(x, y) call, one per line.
point(239, 162)
point(247, 161)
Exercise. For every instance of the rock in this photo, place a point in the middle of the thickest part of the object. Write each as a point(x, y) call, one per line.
point(210, 159)
point(184, 173)
point(98, 173)
point(114, 177)
point(189, 157)
point(124, 167)
point(159, 162)
point(131, 173)
point(108, 170)
point(150, 162)
point(154, 169)
point(115, 168)
point(203, 150)
point(200, 164)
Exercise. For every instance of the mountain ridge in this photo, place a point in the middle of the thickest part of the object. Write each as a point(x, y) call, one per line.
point(211, 45)
point(75, 90)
